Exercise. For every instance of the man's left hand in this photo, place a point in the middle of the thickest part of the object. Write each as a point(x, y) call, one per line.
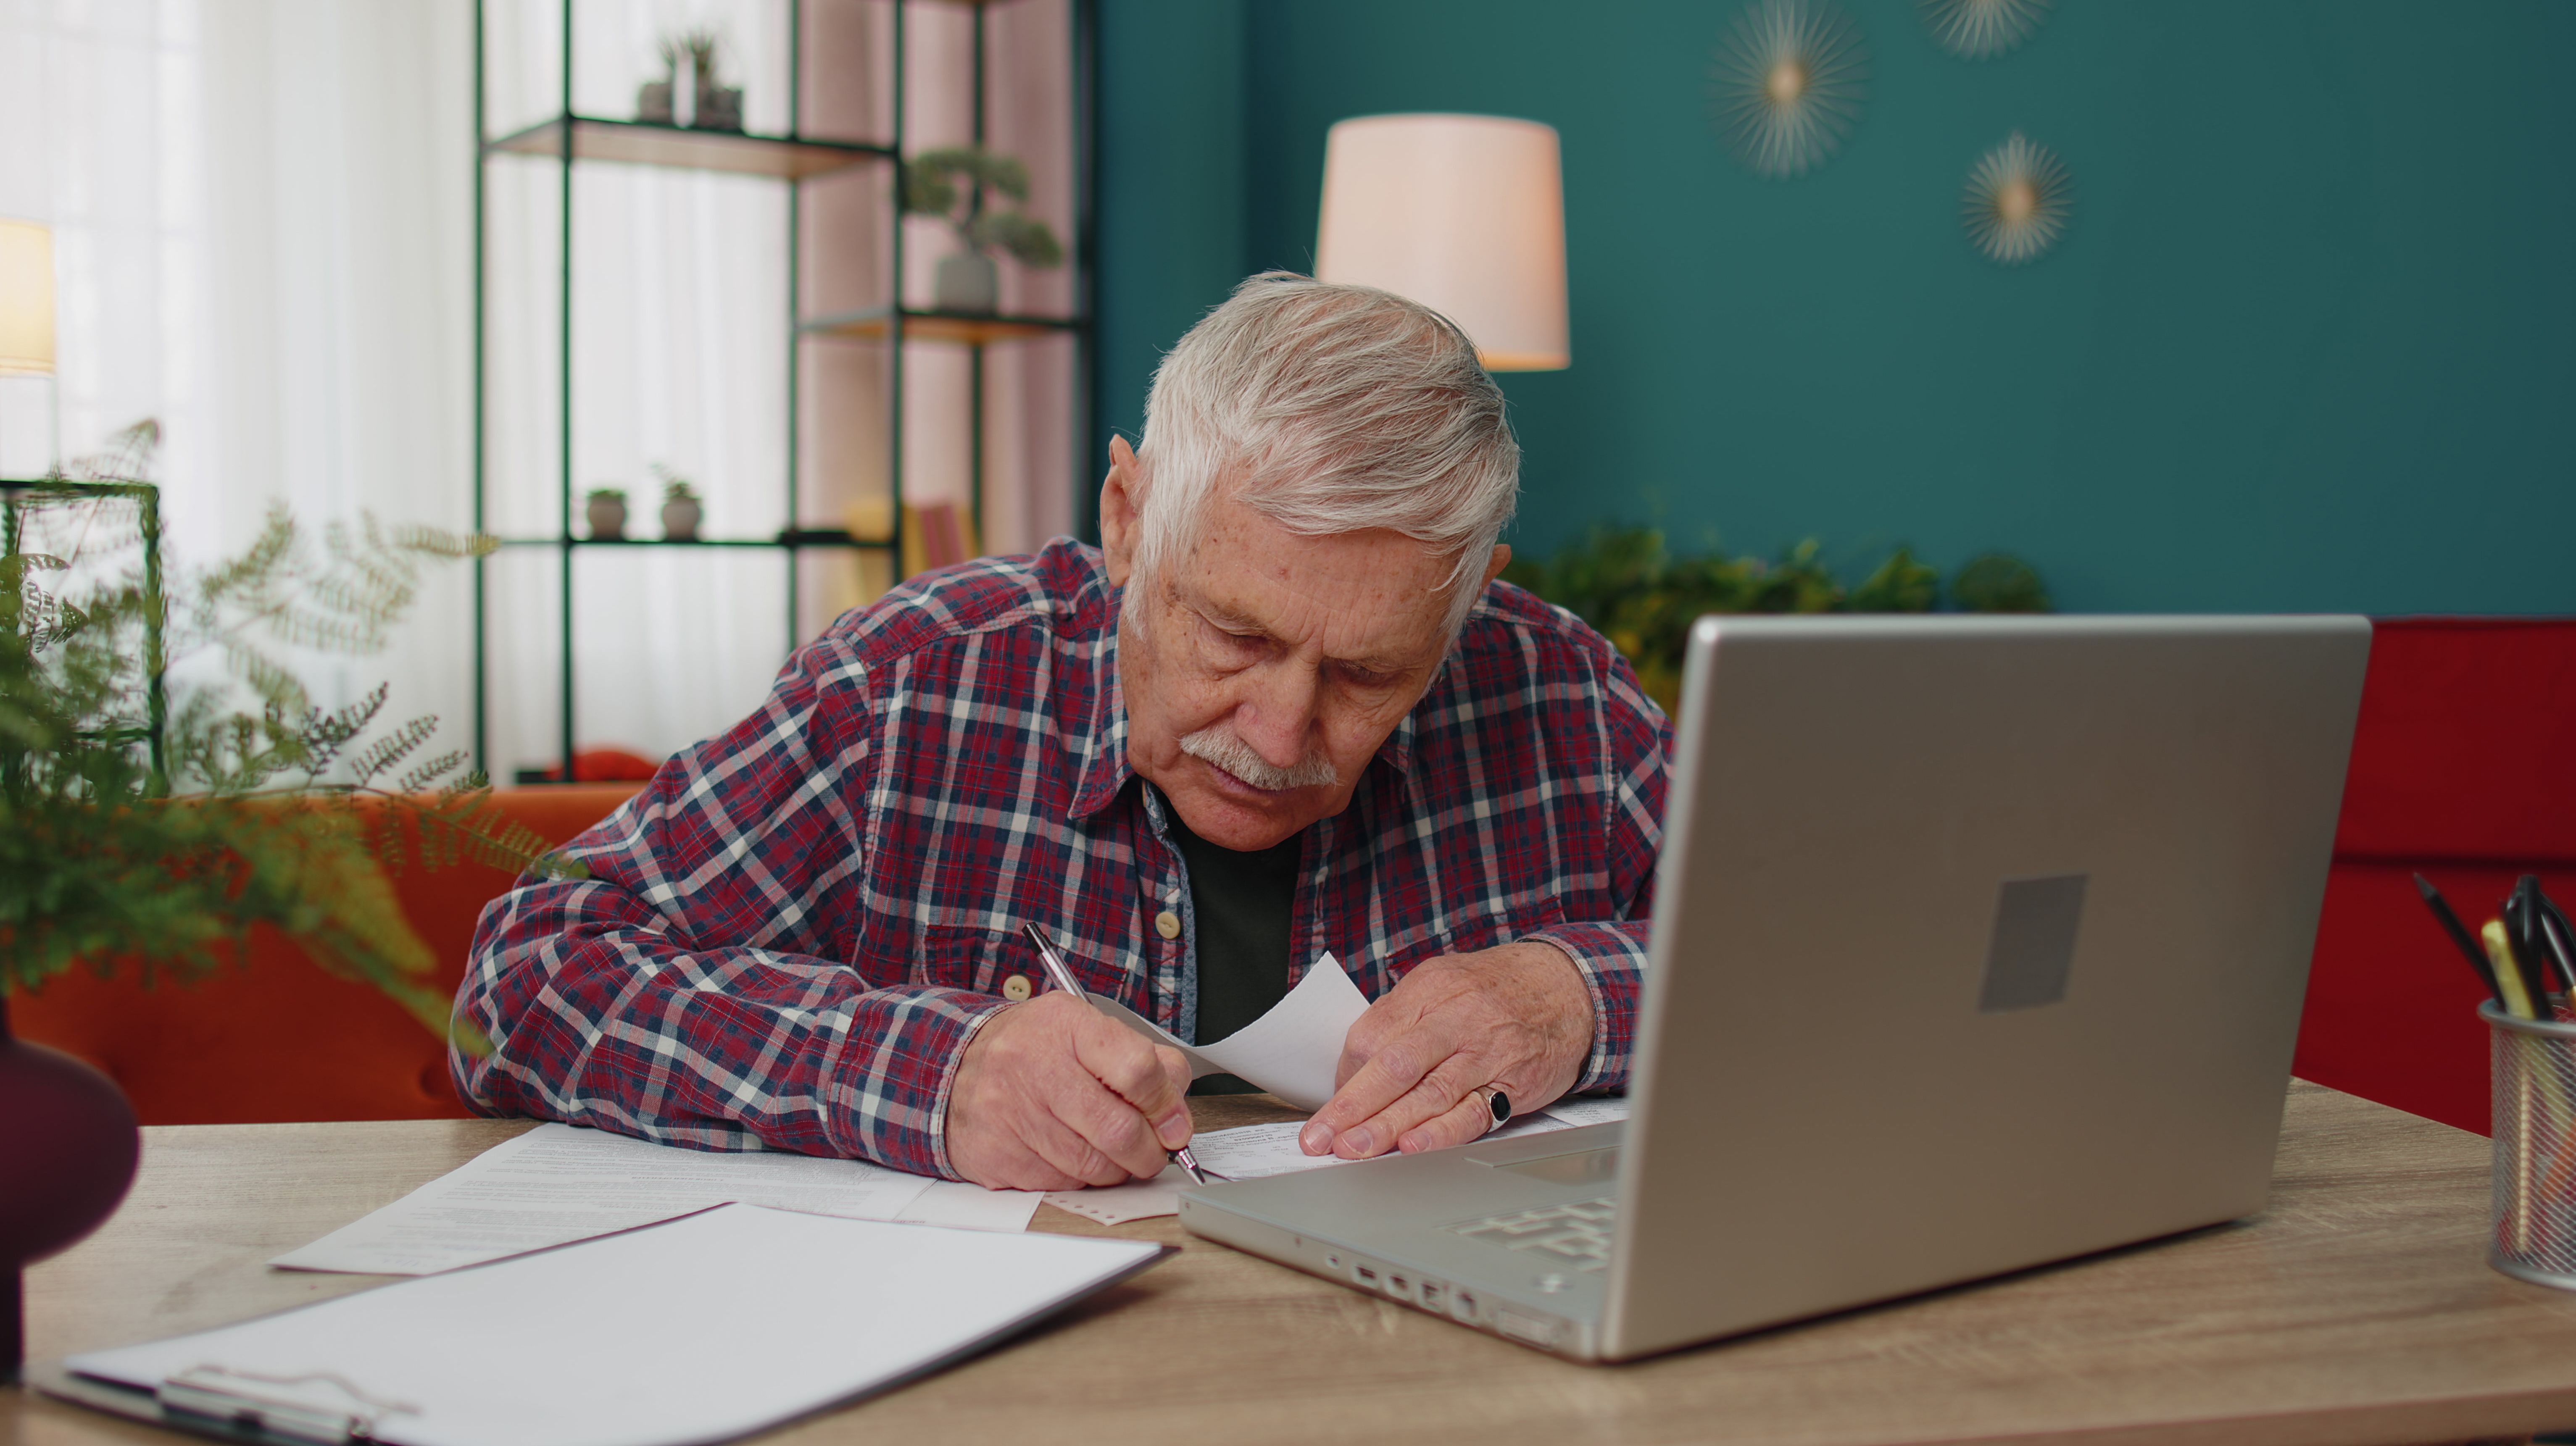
point(1415, 1067)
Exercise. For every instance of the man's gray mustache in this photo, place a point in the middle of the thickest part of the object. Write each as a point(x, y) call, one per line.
point(1218, 744)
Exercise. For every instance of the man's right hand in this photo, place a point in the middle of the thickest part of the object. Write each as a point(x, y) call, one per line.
point(1054, 1095)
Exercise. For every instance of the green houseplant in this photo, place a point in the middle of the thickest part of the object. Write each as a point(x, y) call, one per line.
point(1625, 582)
point(149, 825)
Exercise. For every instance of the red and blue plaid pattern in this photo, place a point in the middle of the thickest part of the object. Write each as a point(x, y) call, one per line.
point(790, 935)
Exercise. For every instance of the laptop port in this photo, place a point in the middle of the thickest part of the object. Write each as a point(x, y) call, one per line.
point(1463, 1305)
point(1367, 1275)
point(1398, 1285)
point(1434, 1295)
point(1534, 1330)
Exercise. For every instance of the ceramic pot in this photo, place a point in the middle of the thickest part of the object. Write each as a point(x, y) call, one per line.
point(607, 518)
point(653, 103)
point(966, 282)
point(719, 108)
point(68, 1146)
point(680, 520)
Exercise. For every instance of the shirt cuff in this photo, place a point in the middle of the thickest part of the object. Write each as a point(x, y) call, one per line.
point(903, 1046)
point(947, 1090)
point(1612, 960)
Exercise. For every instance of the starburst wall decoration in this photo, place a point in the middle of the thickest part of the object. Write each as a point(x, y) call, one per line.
point(2017, 201)
point(1979, 29)
point(1789, 82)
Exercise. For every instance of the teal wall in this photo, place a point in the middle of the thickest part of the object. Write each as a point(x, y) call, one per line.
point(2309, 343)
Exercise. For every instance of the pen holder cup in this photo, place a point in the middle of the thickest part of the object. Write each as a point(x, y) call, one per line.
point(2535, 1148)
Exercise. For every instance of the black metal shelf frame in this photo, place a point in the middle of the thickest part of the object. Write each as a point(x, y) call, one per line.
point(570, 138)
point(14, 493)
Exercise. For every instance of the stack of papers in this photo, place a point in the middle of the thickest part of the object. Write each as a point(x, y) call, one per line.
point(557, 1184)
point(774, 1315)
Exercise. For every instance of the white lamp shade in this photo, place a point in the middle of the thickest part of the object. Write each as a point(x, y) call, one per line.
point(26, 297)
point(1463, 213)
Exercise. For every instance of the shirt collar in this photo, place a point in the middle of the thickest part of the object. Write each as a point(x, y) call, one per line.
point(1104, 761)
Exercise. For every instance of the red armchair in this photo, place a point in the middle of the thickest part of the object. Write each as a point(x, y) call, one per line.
point(2464, 768)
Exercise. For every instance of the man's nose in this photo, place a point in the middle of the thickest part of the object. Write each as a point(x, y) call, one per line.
point(1279, 714)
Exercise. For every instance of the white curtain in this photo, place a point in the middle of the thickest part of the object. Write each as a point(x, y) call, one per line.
point(680, 353)
point(263, 222)
point(260, 212)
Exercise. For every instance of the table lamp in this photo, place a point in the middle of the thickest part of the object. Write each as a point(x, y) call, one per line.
point(26, 298)
point(1463, 213)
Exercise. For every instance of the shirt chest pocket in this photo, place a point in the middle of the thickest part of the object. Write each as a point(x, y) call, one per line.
point(983, 960)
point(1496, 927)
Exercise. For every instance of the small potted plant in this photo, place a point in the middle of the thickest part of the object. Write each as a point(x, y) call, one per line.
point(955, 184)
point(606, 509)
point(680, 507)
point(718, 106)
point(657, 101)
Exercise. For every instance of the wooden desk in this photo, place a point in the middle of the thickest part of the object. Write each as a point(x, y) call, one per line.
point(2357, 1310)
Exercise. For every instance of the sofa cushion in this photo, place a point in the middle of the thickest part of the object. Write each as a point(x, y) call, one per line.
point(277, 1038)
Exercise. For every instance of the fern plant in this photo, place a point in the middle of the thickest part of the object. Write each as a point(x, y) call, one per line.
point(135, 833)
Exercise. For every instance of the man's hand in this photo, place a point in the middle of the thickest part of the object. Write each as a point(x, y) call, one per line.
point(1518, 1018)
point(1053, 1095)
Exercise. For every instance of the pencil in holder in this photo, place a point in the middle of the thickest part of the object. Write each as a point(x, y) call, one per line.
point(2535, 1148)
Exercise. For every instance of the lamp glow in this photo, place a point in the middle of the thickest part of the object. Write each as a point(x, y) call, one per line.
point(1463, 213)
point(26, 298)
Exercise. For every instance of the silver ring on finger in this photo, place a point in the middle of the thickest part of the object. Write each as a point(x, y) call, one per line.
point(1498, 1108)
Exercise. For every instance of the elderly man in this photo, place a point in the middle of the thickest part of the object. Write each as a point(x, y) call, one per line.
point(1283, 709)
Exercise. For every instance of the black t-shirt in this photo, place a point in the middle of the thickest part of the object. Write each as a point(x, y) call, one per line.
point(1243, 902)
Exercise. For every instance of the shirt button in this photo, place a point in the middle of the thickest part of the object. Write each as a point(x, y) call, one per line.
point(1168, 924)
point(1016, 988)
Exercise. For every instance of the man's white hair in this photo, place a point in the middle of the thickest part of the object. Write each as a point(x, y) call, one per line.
point(1330, 409)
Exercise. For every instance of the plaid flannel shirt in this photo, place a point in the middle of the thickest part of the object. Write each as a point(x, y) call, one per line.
point(791, 934)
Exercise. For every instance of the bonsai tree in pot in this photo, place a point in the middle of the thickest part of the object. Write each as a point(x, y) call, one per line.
point(150, 829)
point(956, 185)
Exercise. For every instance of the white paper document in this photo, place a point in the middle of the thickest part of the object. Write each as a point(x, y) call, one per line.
point(694, 1330)
point(1576, 1110)
point(556, 1184)
point(1250, 1152)
point(1291, 1051)
point(961, 1206)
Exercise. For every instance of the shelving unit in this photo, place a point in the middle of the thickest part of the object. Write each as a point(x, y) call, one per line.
point(19, 495)
point(795, 160)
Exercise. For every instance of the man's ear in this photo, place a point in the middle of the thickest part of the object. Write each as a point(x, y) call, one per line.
point(1502, 559)
point(1122, 497)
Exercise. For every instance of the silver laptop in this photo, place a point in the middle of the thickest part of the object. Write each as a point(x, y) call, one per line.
point(1978, 943)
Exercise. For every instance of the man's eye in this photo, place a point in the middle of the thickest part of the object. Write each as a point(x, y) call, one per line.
point(1237, 645)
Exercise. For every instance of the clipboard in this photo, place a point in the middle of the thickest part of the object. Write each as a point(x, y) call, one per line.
point(702, 1328)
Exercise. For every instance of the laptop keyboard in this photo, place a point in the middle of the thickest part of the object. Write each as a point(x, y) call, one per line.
point(1576, 1234)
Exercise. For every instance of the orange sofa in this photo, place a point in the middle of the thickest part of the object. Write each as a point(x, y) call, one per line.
point(278, 1039)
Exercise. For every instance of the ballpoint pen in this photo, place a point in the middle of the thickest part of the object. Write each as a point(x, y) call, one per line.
point(2460, 937)
point(1062, 978)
